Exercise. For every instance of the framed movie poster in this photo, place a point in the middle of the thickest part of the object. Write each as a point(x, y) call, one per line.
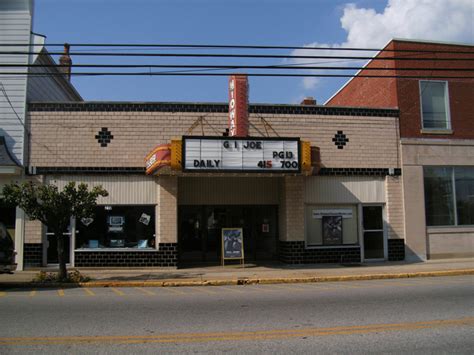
point(332, 230)
point(232, 244)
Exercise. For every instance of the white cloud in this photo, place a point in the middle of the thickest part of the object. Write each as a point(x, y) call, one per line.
point(434, 20)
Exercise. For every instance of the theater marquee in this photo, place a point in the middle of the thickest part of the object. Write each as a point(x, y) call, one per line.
point(229, 154)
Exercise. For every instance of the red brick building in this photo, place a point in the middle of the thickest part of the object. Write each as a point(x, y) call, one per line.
point(436, 136)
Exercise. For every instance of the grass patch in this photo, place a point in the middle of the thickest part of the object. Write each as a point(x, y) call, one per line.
point(52, 277)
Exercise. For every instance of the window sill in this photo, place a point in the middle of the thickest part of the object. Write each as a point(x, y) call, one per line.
point(436, 131)
point(114, 249)
point(332, 246)
point(450, 229)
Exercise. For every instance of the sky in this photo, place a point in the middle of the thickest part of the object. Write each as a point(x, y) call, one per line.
point(331, 23)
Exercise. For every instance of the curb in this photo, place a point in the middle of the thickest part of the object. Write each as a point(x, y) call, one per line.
point(240, 281)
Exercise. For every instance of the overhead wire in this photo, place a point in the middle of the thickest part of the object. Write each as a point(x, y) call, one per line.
point(298, 66)
point(192, 73)
point(228, 55)
point(155, 46)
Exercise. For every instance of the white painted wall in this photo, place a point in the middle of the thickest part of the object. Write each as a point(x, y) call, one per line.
point(15, 27)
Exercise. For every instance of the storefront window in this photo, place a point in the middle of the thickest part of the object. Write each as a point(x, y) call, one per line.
point(117, 227)
point(449, 196)
point(439, 196)
point(464, 178)
point(331, 225)
point(7, 218)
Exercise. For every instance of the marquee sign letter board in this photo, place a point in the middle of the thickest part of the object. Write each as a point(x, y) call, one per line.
point(229, 154)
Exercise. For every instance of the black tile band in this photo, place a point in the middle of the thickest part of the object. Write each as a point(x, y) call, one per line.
point(139, 170)
point(396, 249)
point(296, 253)
point(165, 256)
point(208, 107)
point(87, 169)
point(33, 254)
point(359, 171)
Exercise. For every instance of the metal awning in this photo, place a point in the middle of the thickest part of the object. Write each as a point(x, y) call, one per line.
point(8, 165)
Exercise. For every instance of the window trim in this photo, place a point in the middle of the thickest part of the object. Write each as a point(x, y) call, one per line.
point(448, 128)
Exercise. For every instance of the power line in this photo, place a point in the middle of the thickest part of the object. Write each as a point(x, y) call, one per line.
point(238, 66)
point(226, 55)
point(222, 46)
point(178, 73)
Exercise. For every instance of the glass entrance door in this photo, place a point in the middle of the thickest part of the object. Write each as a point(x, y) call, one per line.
point(373, 232)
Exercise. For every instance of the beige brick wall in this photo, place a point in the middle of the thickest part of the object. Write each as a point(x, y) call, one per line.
point(292, 209)
point(167, 210)
point(68, 138)
point(33, 232)
point(395, 214)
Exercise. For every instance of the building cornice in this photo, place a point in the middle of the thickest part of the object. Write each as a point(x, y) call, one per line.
point(104, 106)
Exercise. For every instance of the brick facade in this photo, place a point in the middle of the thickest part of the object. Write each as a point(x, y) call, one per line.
point(114, 139)
point(396, 249)
point(292, 209)
point(404, 94)
point(395, 214)
point(33, 254)
point(167, 209)
point(58, 135)
point(294, 252)
point(165, 256)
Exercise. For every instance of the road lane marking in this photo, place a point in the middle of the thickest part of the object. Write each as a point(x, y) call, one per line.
point(88, 291)
point(287, 288)
point(2, 294)
point(343, 285)
point(177, 292)
point(32, 293)
point(117, 292)
point(145, 291)
point(231, 289)
point(61, 292)
point(261, 288)
point(203, 289)
point(236, 336)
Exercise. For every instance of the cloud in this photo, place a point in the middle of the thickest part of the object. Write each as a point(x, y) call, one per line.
point(434, 20)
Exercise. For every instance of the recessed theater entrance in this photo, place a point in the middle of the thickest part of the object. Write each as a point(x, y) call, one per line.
point(207, 204)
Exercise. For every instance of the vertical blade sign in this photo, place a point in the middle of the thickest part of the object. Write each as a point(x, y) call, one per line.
point(238, 106)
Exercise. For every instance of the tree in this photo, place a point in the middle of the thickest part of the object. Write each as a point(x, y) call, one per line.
point(54, 208)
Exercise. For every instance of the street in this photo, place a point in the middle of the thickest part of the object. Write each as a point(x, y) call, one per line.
point(421, 315)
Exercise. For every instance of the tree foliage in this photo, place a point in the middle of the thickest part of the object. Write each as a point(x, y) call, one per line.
point(54, 208)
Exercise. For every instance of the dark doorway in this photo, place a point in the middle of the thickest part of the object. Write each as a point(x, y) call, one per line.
point(373, 232)
point(52, 248)
point(199, 229)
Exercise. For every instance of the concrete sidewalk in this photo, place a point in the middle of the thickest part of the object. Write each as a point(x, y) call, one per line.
point(252, 274)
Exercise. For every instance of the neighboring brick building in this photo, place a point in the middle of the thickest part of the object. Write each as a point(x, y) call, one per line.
point(175, 216)
point(436, 137)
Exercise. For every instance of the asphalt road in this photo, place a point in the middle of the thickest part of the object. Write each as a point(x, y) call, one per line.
point(425, 315)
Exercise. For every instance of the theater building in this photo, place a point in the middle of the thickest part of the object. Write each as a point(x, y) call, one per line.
point(436, 140)
point(305, 183)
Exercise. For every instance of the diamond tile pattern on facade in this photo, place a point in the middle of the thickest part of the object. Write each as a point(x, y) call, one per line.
point(340, 140)
point(104, 137)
